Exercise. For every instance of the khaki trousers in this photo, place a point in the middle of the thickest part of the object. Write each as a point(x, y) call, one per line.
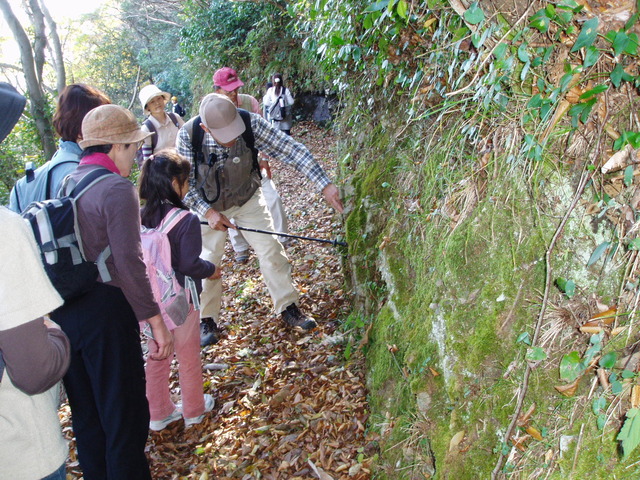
point(274, 264)
point(279, 216)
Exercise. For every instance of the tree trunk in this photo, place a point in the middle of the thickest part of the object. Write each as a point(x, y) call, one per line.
point(38, 102)
point(39, 37)
point(56, 50)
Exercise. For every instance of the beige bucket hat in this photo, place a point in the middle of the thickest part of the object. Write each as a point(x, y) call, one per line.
point(221, 117)
point(150, 92)
point(109, 125)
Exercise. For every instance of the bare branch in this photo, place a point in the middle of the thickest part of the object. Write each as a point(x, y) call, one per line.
point(38, 102)
point(6, 66)
point(154, 19)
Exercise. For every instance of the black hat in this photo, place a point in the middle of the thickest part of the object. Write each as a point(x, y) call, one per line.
point(11, 106)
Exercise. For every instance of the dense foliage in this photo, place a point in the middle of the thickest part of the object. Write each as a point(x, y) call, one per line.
point(258, 39)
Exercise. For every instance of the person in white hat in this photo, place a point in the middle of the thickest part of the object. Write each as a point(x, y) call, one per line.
point(105, 383)
point(228, 188)
point(162, 125)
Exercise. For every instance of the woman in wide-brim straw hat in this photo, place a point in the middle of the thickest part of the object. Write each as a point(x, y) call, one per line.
point(163, 126)
point(105, 383)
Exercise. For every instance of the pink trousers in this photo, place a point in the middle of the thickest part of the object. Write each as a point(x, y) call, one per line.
point(187, 349)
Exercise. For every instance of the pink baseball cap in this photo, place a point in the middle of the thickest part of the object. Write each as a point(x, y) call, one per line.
point(227, 79)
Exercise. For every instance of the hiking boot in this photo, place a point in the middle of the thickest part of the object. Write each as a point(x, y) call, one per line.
point(242, 257)
point(208, 332)
point(157, 425)
point(293, 317)
point(209, 403)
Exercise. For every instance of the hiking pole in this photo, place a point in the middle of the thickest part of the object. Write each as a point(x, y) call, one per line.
point(280, 234)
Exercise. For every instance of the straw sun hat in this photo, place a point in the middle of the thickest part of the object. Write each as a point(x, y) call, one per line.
point(110, 125)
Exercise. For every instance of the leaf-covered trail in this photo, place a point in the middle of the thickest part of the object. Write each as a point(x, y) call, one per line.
point(287, 404)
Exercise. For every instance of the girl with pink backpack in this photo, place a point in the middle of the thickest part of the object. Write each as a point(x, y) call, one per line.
point(163, 184)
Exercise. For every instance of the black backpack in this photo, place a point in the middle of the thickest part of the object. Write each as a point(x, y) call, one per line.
point(177, 109)
point(55, 226)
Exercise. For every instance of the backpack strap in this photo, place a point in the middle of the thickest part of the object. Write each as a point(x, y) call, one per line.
point(173, 118)
point(15, 192)
point(49, 172)
point(86, 182)
point(82, 186)
point(152, 129)
point(197, 137)
point(249, 138)
point(171, 219)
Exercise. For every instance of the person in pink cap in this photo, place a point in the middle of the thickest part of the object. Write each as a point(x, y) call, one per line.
point(227, 83)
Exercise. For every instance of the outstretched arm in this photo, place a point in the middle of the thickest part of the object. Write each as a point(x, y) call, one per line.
point(332, 196)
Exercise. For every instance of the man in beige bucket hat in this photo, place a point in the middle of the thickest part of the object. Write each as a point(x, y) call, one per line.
point(105, 382)
point(226, 186)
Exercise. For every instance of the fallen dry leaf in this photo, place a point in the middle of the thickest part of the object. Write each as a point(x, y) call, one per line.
point(524, 419)
point(618, 161)
point(591, 330)
point(520, 442)
point(603, 375)
point(534, 432)
point(635, 396)
point(570, 389)
point(322, 475)
point(607, 317)
point(548, 456)
point(384, 243)
point(455, 440)
point(618, 330)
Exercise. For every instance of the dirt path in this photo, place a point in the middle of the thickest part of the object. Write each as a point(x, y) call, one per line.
point(288, 406)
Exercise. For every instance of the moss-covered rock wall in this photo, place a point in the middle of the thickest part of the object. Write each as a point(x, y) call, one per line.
point(494, 264)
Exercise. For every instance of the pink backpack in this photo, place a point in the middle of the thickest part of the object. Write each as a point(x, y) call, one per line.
point(171, 297)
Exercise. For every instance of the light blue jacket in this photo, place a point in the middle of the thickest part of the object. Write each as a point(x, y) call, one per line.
point(33, 186)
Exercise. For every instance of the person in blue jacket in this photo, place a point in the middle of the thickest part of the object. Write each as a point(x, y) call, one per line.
point(43, 183)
